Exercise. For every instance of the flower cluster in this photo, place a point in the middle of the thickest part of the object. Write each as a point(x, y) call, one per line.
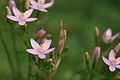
point(107, 38)
point(23, 17)
point(112, 62)
point(42, 49)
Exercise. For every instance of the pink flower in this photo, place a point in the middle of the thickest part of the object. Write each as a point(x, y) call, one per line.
point(107, 36)
point(20, 17)
point(41, 5)
point(40, 50)
point(40, 33)
point(112, 62)
point(96, 52)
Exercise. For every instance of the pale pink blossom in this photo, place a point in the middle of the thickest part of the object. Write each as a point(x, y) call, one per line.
point(41, 5)
point(21, 17)
point(112, 62)
point(42, 49)
point(107, 36)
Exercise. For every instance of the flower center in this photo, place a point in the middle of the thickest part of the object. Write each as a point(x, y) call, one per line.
point(41, 48)
point(114, 61)
point(22, 16)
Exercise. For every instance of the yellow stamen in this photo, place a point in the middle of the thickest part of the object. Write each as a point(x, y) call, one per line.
point(22, 14)
point(114, 60)
point(41, 47)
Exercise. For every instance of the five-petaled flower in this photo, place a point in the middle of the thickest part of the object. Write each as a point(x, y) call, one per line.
point(42, 49)
point(40, 5)
point(107, 36)
point(20, 17)
point(112, 62)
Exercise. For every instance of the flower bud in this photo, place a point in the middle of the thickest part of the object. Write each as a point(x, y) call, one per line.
point(8, 11)
point(97, 32)
point(40, 33)
point(27, 4)
point(96, 52)
point(87, 56)
point(117, 48)
point(11, 4)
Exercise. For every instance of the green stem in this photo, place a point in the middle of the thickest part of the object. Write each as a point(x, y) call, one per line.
point(29, 67)
point(30, 59)
point(8, 56)
point(93, 68)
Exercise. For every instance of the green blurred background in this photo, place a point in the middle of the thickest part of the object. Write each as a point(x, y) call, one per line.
point(79, 18)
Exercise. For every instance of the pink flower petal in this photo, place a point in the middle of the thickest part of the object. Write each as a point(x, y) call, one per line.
point(49, 50)
point(21, 23)
point(48, 4)
point(118, 61)
point(34, 44)
point(117, 66)
point(115, 36)
point(43, 10)
point(108, 32)
point(33, 2)
point(28, 13)
point(42, 56)
point(32, 51)
point(31, 19)
point(46, 44)
point(16, 12)
point(34, 7)
point(111, 55)
point(112, 68)
point(106, 61)
point(13, 18)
